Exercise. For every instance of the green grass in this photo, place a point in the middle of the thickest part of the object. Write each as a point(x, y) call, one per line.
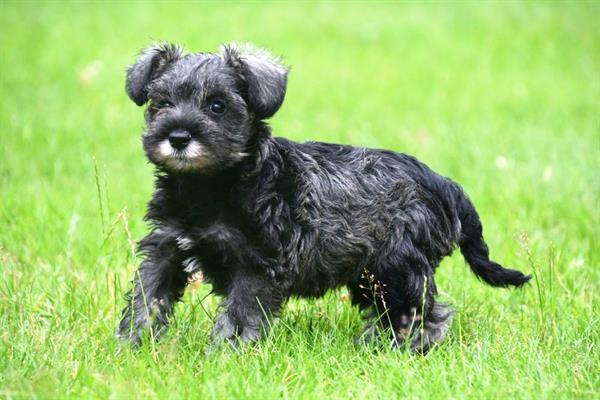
point(501, 96)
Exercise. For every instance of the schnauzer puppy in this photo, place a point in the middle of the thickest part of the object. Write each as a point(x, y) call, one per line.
point(265, 218)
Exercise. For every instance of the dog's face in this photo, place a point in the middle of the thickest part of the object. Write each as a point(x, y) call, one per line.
point(203, 107)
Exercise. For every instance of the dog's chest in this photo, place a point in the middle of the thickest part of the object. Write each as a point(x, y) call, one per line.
point(218, 236)
point(218, 246)
point(215, 250)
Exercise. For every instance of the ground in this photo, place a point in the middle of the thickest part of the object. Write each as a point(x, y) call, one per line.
point(501, 96)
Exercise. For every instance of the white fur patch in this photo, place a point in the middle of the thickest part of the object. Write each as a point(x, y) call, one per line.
point(193, 150)
point(184, 243)
point(191, 265)
point(165, 149)
point(193, 157)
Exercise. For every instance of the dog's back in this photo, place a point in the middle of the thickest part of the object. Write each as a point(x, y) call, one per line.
point(355, 201)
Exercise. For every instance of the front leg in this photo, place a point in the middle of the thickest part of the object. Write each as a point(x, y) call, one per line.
point(158, 284)
point(251, 300)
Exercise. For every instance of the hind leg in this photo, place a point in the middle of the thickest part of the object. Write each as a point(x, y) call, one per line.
point(418, 326)
point(400, 291)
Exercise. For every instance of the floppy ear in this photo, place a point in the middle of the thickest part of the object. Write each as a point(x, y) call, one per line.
point(150, 64)
point(264, 74)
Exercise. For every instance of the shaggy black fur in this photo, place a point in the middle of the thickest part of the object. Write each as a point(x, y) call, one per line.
point(265, 218)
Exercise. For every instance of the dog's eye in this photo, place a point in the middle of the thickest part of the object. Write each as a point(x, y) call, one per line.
point(164, 104)
point(217, 107)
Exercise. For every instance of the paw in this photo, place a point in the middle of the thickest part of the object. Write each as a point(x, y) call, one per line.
point(432, 331)
point(225, 329)
point(133, 334)
point(380, 334)
point(424, 338)
point(370, 334)
point(228, 330)
point(129, 337)
point(408, 323)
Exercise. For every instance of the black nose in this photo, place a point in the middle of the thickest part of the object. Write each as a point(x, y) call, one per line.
point(179, 139)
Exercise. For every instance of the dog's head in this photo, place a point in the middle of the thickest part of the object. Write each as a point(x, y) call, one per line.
point(203, 107)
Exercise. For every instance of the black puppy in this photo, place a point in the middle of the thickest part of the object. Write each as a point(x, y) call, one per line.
point(265, 218)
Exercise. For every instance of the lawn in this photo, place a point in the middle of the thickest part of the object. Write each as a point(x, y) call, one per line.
point(501, 96)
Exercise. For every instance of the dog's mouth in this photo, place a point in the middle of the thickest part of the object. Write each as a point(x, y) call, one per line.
point(193, 157)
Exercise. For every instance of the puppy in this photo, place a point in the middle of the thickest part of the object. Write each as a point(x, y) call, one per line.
point(265, 218)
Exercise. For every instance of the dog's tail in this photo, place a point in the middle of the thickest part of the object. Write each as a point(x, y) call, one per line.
point(476, 251)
